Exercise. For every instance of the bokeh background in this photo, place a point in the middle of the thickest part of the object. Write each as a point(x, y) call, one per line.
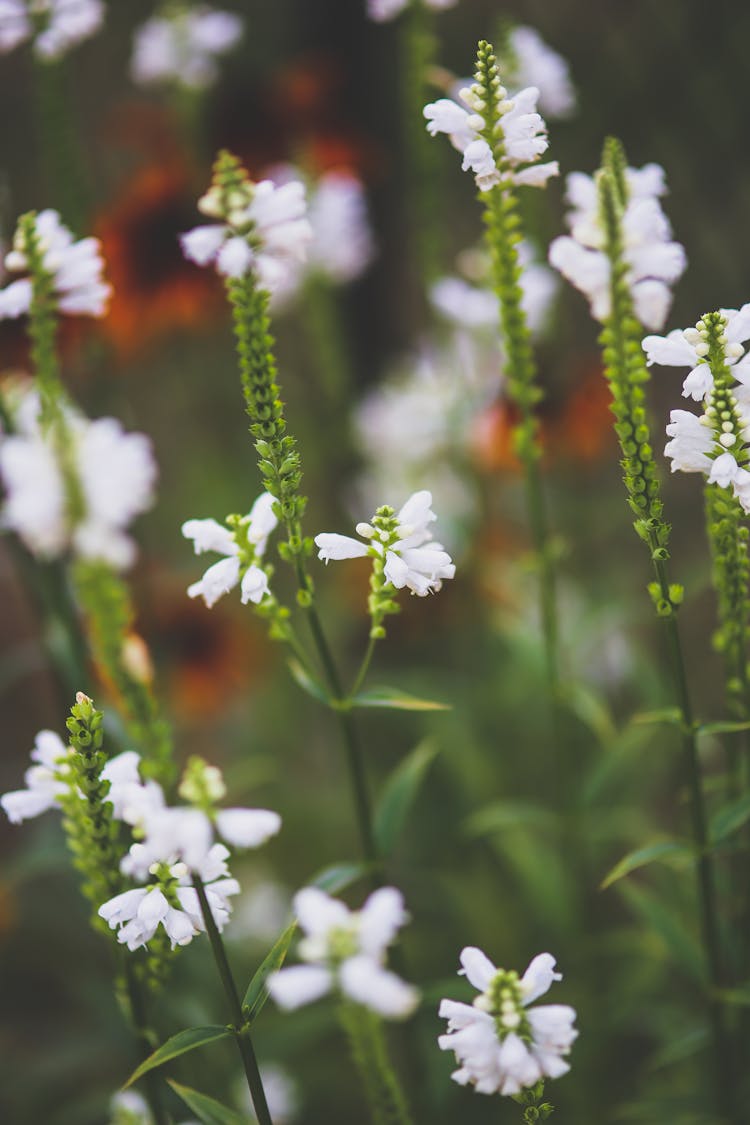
point(507, 844)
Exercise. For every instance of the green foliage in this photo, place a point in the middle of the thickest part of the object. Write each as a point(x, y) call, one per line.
point(394, 699)
point(188, 1040)
point(399, 794)
point(257, 993)
point(663, 851)
point(207, 1109)
point(385, 1099)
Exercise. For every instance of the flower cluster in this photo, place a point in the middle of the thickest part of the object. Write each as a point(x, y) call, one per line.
point(262, 228)
point(78, 494)
point(501, 1044)
point(383, 10)
point(243, 544)
point(345, 952)
point(401, 543)
point(528, 61)
point(182, 46)
point(74, 270)
point(716, 443)
point(54, 25)
point(497, 136)
point(653, 260)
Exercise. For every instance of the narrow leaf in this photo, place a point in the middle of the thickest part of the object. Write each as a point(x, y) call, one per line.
point(400, 793)
point(339, 876)
point(503, 815)
point(396, 699)
point(664, 851)
point(723, 727)
point(207, 1109)
point(179, 1044)
point(672, 929)
point(591, 709)
point(729, 818)
point(670, 715)
point(302, 677)
point(257, 993)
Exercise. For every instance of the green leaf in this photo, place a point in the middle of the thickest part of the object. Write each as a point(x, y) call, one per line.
point(400, 792)
point(396, 699)
point(729, 818)
point(339, 876)
point(503, 815)
point(302, 677)
point(664, 851)
point(179, 1044)
point(672, 930)
point(257, 993)
point(670, 715)
point(207, 1109)
point(722, 727)
point(592, 711)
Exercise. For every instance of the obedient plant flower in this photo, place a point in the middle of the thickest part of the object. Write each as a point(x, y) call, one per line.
point(345, 952)
point(383, 10)
point(716, 443)
point(502, 1045)
point(263, 227)
point(243, 544)
point(654, 262)
point(186, 834)
point(171, 902)
point(499, 141)
point(54, 25)
point(74, 270)
point(181, 45)
point(78, 496)
point(529, 61)
point(342, 247)
point(401, 546)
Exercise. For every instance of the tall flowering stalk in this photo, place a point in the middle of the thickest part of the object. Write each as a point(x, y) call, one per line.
point(611, 258)
point(501, 142)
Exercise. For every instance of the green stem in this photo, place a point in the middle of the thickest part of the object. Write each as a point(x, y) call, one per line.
point(63, 166)
point(380, 1082)
point(364, 667)
point(325, 332)
point(240, 1028)
point(146, 1045)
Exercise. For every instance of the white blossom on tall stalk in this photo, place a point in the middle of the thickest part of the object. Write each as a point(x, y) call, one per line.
point(383, 10)
point(182, 45)
point(243, 544)
point(54, 25)
point(403, 541)
point(80, 498)
point(171, 902)
point(716, 442)
point(186, 833)
point(529, 61)
point(518, 140)
point(75, 268)
point(501, 1044)
point(654, 261)
point(469, 302)
point(344, 952)
point(264, 230)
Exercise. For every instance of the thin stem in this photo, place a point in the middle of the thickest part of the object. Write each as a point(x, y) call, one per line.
point(241, 1029)
point(364, 666)
point(145, 1044)
point(381, 1085)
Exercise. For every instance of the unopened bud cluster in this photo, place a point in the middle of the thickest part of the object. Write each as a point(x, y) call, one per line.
point(386, 531)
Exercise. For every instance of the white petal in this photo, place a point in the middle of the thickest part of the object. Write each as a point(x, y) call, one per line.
point(380, 919)
point(318, 912)
point(218, 580)
point(247, 828)
point(477, 968)
point(254, 585)
point(723, 470)
point(202, 244)
point(298, 985)
point(208, 535)
point(672, 350)
point(333, 546)
point(538, 977)
point(235, 257)
point(383, 992)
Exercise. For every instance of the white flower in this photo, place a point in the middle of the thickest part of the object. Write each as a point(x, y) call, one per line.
point(266, 232)
point(686, 348)
point(139, 912)
point(534, 63)
point(46, 781)
point(243, 549)
point(55, 25)
point(383, 10)
point(501, 1045)
point(346, 951)
point(341, 246)
point(115, 475)
point(412, 558)
point(183, 46)
point(520, 130)
point(654, 262)
point(75, 268)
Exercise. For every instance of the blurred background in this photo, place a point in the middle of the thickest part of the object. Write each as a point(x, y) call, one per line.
point(507, 842)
